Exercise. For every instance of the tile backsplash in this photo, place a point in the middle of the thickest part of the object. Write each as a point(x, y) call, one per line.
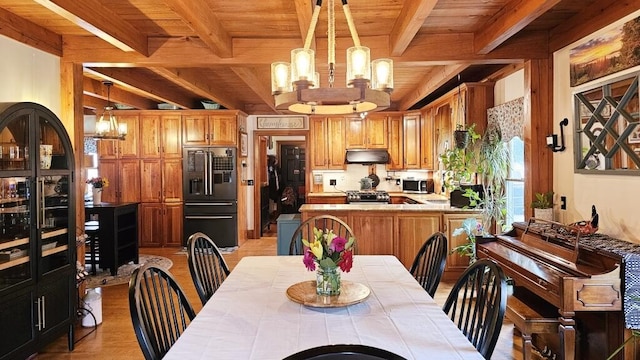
point(349, 179)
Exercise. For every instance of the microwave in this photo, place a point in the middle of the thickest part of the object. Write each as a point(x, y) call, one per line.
point(417, 186)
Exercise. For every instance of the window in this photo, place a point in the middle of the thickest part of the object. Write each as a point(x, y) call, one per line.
point(515, 182)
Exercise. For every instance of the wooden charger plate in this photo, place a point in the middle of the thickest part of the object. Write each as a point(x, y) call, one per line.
point(305, 293)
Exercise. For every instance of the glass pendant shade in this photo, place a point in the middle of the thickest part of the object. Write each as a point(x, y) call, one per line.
point(280, 77)
point(382, 74)
point(358, 63)
point(108, 127)
point(316, 80)
point(303, 64)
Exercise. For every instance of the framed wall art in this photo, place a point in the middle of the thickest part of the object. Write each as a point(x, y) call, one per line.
point(244, 144)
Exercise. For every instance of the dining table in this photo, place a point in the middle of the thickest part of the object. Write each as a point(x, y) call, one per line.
point(253, 316)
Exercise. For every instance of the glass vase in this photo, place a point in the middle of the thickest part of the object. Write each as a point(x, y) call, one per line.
point(328, 281)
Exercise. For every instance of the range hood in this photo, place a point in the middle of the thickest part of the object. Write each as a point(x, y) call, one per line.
point(367, 156)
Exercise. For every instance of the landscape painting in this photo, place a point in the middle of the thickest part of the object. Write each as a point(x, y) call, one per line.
point(612, 51)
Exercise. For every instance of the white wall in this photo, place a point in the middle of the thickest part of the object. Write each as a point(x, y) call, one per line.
point(29, 74)
point(616, 197)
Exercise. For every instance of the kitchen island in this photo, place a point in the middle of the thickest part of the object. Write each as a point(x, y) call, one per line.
point(401, 229)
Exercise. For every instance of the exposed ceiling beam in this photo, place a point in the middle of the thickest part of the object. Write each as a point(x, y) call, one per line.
point(170, 52)
point(191, 79)
point(99, 20)
point(430, 82)
point(253, 82)
point(507, 22)
point(26, 32)
point(411, 18)
point(201, 19)
point(92, 102)
point(592, 18)
point(97, 89)
point(139, 83)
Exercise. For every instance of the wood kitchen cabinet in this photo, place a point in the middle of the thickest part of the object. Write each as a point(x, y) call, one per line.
point(396, 143)
point(411, 144)
point(427, 160)
point(373, 232)
point(124, 180)
point(328, 145)
point(414, 230)
point(122, 149)
point(161, 180)
point(368, 133)
point(160, 224)
point(162, 136)
point(456, 264)
point(203, 129)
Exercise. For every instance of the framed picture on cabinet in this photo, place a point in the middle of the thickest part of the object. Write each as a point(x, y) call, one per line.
point(244, 147)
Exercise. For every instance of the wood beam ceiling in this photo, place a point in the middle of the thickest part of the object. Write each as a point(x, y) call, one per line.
point(98, 90)
point(26, 32)
point(412, 16)
point(431, 82)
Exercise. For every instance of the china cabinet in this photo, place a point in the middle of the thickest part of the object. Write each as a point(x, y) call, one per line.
point(37, 236)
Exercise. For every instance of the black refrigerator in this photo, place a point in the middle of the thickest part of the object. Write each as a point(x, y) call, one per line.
point(210, 194)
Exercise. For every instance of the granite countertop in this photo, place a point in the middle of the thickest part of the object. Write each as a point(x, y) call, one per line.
point(428, 199)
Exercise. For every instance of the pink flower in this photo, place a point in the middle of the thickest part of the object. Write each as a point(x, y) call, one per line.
point(337, 244)
point(346, 261)
point(309, 260)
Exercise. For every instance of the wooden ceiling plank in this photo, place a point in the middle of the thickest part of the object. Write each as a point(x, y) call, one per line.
point(199, 15)
point(99, 20)
point(192, 80)
point(171, 52)
point(592, 18)
point(94, 103)
point(432, 81)
point(512, 18)
point(253, 82)
point(26, 32)
point(411, 18)
point(131, 79)
point(97, 89)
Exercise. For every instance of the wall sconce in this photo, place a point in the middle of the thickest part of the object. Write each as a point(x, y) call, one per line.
point(552, 140)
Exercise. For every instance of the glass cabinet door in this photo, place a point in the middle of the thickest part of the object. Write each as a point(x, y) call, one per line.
point(14, 144)
point(15, 215)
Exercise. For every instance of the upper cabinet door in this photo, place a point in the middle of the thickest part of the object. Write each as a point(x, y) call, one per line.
point(150, 128)
point(222, 130)
point(196, 130)
point(171, 135)
point(396, 141)
point(377, 131)
point(411, 129)
point(427, 160)
point(356, 137)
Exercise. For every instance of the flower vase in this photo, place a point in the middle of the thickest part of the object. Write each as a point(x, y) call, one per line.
point(97, 196)
point(328, 281)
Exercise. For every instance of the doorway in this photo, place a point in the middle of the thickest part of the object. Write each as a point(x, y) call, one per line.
point(292, 161)
point(294, 168)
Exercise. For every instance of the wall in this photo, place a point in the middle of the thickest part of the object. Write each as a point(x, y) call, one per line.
point(615, 197)
point(29, 74)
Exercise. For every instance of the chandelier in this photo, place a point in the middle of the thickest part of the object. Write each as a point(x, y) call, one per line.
point(107, 126)
point(296, 85)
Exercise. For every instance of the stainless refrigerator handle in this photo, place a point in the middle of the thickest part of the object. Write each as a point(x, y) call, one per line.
point(206, 173)
point(208, 217)
point(210, 204)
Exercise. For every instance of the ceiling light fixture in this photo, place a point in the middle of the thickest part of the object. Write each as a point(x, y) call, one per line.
point(107, 126)
point(296, 85)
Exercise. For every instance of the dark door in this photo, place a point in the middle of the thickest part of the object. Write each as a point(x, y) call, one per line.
point(292, 160)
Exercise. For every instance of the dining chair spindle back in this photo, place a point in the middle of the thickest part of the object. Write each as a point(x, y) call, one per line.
point(429, 262)
point(477, 303)
point(206, 265)
point(160, 311)
point(323, 222)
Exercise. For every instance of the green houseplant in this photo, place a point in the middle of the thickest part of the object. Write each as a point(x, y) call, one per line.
point(460, 163)
point(469, 227)
point(543, 206)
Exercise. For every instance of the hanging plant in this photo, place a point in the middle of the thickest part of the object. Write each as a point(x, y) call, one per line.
point(461, 137)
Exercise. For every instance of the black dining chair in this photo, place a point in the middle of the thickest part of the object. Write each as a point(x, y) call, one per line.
point(323, 222)
point(428, 264)
point(344, 351)
point(477, 302)
point(160, 311)
point(206, 264)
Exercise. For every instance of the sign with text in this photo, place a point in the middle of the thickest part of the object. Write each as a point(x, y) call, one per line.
point(280, 122)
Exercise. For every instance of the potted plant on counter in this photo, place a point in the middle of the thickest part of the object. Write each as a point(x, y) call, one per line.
point(543, 206)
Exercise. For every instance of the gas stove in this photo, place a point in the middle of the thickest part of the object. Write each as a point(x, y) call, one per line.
point(355, 196)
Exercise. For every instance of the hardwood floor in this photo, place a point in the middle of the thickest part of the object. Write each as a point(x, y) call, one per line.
point(115, 339)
